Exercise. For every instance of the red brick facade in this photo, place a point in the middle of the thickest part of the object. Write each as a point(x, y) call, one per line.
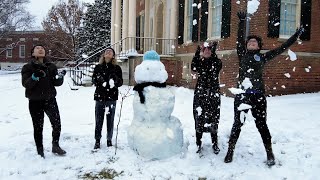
point(17, 39)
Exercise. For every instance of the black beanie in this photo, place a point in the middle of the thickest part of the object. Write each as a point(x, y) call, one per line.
point(32, 50)
point(259, 40)
point(114, 53)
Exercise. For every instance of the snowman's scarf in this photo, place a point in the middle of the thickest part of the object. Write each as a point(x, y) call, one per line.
point(139, 88)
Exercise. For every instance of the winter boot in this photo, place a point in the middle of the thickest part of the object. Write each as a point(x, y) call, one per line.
point(40, 152)
point(214, 140)
point(97, 145)
point(56, 149)
point(109, 143)
point(270, 155)
point(198, 141)
point(229, 155)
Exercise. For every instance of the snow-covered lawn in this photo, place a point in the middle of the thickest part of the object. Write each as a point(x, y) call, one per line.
point(293, 121)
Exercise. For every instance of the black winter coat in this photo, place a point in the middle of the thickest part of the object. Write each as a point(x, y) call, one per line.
point(208, 71)
point(44, 89)
point(252, 62)
point(101, 79)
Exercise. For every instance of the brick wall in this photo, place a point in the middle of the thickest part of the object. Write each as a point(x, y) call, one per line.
point(15, 38)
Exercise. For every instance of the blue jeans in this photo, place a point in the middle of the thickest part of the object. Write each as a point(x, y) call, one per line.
point(100, 108)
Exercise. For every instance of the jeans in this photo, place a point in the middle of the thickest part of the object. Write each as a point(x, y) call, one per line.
point(100, 108)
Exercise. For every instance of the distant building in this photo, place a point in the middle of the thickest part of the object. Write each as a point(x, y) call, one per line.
point(16, 46)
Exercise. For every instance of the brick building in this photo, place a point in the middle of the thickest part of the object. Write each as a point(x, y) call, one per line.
point(187, 24)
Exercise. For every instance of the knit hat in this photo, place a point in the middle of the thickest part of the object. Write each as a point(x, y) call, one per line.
point(151, 56)
point(259, 40)
point(32, 50)
point(114, 53)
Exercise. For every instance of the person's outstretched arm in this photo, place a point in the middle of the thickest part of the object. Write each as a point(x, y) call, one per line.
point(196, 62)
point(241, 49)
point(273, 53)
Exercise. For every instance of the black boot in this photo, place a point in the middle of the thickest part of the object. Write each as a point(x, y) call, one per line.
point(229, 156)
point(97, 145)
point(40, 152)
point(198, 141)
point(109, 143)
point(56, 149)
point(214, 140)
point(270, 155)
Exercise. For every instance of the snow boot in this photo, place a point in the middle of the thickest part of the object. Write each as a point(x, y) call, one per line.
point(97, 145)
point(109, 143)
point(198, 141)
point(56, 149)
point(40, 152)
point(214, 140)
point(270, 155)
point(229, 155)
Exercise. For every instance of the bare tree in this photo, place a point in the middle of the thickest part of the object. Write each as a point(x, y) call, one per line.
point(14, 16)
point(60, 26)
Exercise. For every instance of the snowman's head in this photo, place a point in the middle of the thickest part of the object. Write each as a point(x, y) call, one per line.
point(151, 69)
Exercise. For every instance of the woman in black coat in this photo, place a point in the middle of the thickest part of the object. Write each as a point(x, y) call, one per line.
point(206, 101)
point(107, 77)
point(40, 77)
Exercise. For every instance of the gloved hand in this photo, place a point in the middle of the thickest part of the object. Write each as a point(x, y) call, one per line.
point(197, 54)
point(61, 74)
point(299, 31)
point(38, 73)
point(242, 16)
point(214, 47)
point(115, 78)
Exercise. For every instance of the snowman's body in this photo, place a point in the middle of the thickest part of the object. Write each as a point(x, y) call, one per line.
point(154, 133)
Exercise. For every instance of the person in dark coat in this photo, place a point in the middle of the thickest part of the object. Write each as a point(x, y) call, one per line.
point(251, 65)
point(107, 77)
point(39, 77)
point(206, 101)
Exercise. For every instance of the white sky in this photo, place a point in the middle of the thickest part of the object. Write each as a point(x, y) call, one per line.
point(40, 8)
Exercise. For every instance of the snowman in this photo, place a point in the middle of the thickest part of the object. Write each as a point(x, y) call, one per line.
point(154, 133)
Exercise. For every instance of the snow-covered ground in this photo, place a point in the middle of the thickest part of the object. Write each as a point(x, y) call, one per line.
point(293, 121)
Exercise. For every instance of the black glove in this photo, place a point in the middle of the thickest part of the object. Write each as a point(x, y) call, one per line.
point(39, 73)
point(214, 47)
point(299, 31)
point(242, 16)
point(197, 54)
point(61, 74)
point(115, 78)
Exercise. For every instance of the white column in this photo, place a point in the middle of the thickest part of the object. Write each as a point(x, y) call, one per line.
point(117, 25)
point(147, 18)
point(173, 19)
point(125, 20)
point(113, 14)
point(173, 23)
point(132, 24)
point(146, 24)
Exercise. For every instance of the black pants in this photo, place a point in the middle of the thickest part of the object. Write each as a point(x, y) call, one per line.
point(37, 109)
point(259, 112)
point(206, 112)
point(99, 114)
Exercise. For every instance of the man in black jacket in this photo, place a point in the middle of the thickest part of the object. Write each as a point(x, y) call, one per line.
point(40, 77)
point(206, 101)
point(251, 65)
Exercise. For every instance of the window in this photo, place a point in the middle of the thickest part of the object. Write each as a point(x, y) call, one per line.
point(22, 51)
point(216, 15)
point(9, 39)
point(9, 51)
point(289, 17)
point(189, 17)
point(35, 39)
